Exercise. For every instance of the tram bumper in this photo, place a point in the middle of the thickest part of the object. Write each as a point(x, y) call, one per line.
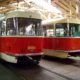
point(14, 58)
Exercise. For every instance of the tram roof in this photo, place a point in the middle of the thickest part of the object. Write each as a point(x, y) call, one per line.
point(61, 20)
point(26, 14)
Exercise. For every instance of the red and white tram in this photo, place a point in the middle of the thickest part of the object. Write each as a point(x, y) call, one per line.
point(62, 37)
point(21, 36)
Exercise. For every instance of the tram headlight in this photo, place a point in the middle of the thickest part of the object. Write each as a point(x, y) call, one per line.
point(31, 48)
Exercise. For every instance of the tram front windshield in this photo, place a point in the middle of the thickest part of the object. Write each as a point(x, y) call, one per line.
point(67, 30)
point(23, 26)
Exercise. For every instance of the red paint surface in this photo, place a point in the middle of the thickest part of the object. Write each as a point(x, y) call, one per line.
point(19, 45)
point(62, 43)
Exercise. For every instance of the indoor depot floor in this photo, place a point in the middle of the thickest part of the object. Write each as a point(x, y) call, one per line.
point(48, 69)
point(6, 74)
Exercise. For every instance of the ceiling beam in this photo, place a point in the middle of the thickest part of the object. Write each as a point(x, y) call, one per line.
point(61, 5)
point(2, 11)
point(68, 4)
point(6, 2)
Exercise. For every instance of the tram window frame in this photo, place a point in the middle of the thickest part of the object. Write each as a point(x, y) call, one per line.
point(38, 29)
point(61, 32)
point(11, 28)
point(19, 25)
point(0, 27)
point(49, 30)
point(30, 30)
point(74, 30)
point(34, 27)
point(3, 28)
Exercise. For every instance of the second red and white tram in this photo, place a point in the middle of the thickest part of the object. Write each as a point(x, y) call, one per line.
point(21, 36)
point(62, 37)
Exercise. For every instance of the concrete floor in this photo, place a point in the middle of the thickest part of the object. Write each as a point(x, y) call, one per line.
point(69, 68)
point(48, 69)
point(6, 74)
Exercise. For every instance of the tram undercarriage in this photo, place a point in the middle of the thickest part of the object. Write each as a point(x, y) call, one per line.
point(60, 54)
point(21, 58)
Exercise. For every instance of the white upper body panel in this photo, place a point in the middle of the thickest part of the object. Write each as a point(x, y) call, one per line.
point(26, 14)
point(61, 20)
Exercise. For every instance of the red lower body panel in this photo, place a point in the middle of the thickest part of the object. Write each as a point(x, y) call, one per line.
point(66, 44)
point(21, 45)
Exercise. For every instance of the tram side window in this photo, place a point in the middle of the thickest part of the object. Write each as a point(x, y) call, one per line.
point(61, 30)
point(21, 31)
point(38, 29)
point(25, 27)
point(30, 30)
point(21, 23)
point(11, 26)
point(2, 28)
point(33, 29)
point(29, 27)
point(48, 30)
point(74, 30)
point(44, 30)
